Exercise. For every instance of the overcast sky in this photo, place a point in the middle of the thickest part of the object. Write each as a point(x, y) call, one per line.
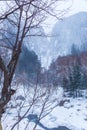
point(78, 5)
point(75, 7)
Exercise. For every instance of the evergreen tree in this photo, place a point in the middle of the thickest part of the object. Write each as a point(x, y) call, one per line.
point(29, 63)
point(75, 80)
point(71, 84)
point(75, 50)
point(65, 83)
point(84, 81)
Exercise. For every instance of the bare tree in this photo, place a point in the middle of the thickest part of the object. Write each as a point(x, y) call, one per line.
point(23, 16)
point(43, 99)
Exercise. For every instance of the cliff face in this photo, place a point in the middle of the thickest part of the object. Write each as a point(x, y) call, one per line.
point(69, 31)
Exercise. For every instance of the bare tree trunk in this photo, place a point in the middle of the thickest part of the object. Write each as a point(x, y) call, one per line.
point(8, 70)
point(0, 126)
point(30, 15)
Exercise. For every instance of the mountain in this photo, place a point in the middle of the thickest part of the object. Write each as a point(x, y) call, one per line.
point(69, 31)
point(39, 43)
point(65, 33)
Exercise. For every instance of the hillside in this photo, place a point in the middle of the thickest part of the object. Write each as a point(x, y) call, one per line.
point(69, 31)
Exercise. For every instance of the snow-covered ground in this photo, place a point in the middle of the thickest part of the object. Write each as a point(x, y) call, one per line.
point(73, 114)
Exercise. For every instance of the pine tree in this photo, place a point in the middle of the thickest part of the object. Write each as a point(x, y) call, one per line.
point(75, 50)
point(84, 81)
point(65, 83)
point(28, 63)
point(75, 80)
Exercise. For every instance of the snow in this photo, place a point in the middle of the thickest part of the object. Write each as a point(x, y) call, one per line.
point(72, 114)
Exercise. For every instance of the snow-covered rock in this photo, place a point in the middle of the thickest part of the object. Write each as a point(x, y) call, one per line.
point(69, 31)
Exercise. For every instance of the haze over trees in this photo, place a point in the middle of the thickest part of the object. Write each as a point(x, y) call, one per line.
point(70, 72)
point(22, 17)
point(19, 21)
point(29, 64)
